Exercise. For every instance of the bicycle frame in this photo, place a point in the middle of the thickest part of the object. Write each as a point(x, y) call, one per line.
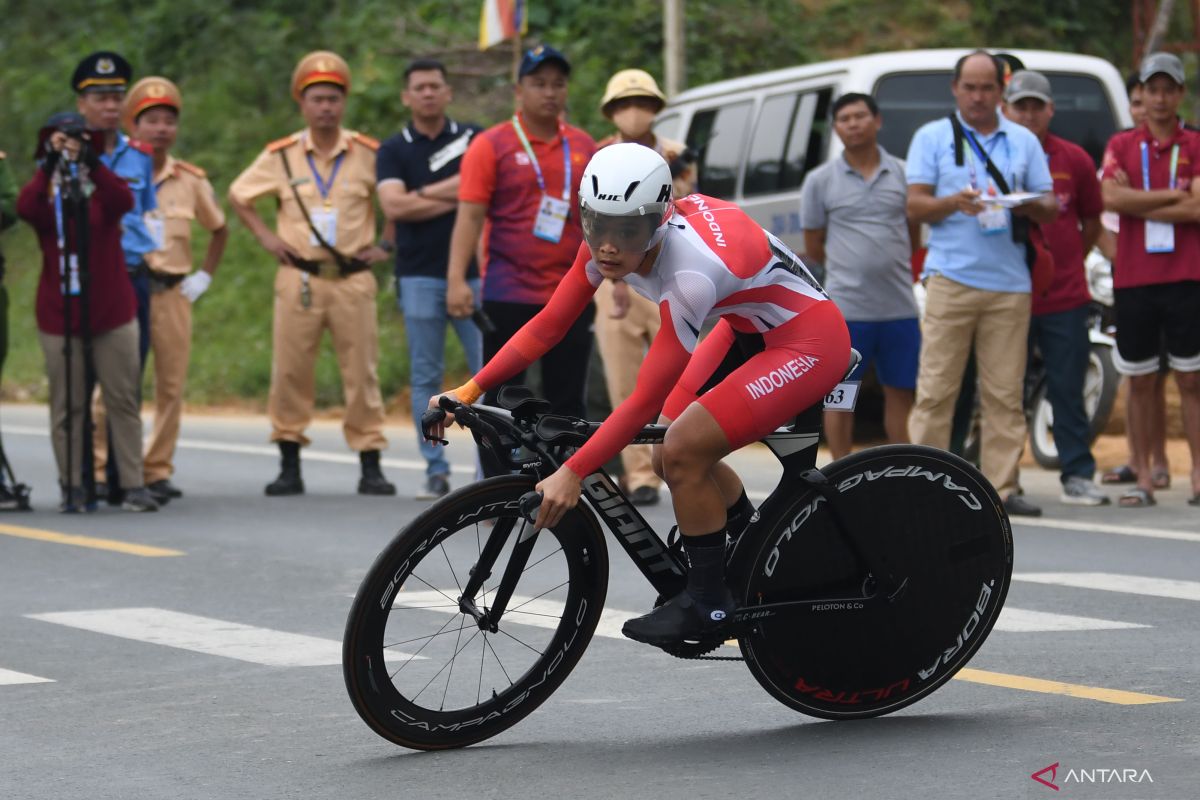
point(497, 430)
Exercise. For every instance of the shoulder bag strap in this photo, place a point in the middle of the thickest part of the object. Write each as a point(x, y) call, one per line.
point(344, 263)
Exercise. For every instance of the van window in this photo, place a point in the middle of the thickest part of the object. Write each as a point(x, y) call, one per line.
point(667, 127)
point(1083, 113)
point(718, 135)
point(791, 138)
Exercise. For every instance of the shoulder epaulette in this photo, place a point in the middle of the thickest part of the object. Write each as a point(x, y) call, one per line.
point(190, 168)
point(286, 141)
point(141, 147)
point(365, 140)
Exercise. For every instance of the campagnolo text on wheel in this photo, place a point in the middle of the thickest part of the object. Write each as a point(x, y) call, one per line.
point(852, 591)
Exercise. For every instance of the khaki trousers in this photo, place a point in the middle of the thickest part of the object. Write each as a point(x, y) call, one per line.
point(998, 324)
point(346, 306)
point(171, 343)
point(623, 344)
point(115, 357)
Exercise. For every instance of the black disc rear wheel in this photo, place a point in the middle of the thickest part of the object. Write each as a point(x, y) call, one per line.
point(929, 520)
point(425, 674)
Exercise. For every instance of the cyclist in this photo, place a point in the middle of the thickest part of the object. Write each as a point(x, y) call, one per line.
point(779, 346)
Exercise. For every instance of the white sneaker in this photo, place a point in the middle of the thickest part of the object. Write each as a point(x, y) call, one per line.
point(1079, 491)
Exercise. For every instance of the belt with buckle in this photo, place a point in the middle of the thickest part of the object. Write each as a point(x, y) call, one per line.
point(328, 269)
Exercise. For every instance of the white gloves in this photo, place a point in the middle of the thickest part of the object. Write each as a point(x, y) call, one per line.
point(195, 285)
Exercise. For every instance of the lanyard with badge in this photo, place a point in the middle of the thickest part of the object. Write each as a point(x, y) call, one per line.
point(1160, 236)
point(993, 219)
point(155, 224)
point(324, 219)
point(553, 211)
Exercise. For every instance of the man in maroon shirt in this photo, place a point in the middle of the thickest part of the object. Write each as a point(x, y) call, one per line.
point(1156, 276)
point(1059, 324)
point(111, 306)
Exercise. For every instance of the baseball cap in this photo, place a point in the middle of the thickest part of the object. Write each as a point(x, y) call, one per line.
point(1166, 63)
point(540, 55)
point(1027, 83)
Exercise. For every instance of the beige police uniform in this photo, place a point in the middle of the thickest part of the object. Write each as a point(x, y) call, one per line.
point(305, 305)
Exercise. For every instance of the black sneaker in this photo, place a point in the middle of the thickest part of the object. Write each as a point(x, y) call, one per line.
point(681, 619)
point(1018, 506)
point(8, 500)
point(164, 489)
point(139, 500)
point(74, 501)
point(435, 486)
point(644, 496)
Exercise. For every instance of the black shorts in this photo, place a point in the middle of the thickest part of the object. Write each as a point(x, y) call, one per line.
point(1151, 317)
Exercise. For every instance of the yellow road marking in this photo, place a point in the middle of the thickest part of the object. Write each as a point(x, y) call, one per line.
point(1117, 696)
point(115, 546)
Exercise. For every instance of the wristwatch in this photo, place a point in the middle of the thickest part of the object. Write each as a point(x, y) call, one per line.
point(387, 246)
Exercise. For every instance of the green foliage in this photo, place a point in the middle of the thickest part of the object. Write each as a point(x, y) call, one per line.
point(233, 62)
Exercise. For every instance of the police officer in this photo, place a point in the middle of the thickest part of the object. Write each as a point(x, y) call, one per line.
point(151, 114)
point(100, 81)
point(323, 178)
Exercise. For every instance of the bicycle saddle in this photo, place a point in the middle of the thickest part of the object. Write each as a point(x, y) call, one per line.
point(521, 402)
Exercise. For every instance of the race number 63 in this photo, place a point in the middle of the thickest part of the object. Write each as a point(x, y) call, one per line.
point(843, 396)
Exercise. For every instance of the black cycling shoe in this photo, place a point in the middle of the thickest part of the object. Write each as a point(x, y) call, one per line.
point(681, 619)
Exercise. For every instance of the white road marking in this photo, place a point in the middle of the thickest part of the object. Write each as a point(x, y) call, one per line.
point(1012, 620)
point(10, 677)
point(206, 635)
point(1109, 582)
point(1021, 620)
point(1075, 525)
point(265, 450)
point(540, 613)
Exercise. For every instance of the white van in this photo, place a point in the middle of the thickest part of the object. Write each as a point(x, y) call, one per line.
point(759, 135)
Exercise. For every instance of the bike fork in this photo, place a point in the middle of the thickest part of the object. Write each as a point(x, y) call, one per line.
point(489, 618)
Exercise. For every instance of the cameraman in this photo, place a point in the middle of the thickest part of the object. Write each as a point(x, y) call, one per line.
point(71, 173)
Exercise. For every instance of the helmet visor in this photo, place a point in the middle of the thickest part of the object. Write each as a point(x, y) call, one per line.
point(631, 233)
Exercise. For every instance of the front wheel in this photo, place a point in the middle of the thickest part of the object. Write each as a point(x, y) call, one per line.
point(933, 525)
point(422, 671)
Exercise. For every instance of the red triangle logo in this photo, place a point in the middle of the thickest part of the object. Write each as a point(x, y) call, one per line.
point(1053, 770)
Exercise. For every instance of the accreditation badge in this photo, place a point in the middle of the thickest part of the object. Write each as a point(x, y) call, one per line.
point(551, 219)
point(1160, 237)
point(325, 223)
point(156, 227)
point(993, 220)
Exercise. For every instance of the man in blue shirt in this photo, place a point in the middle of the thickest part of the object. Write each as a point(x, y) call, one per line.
point(100, 82)
point(977, 282)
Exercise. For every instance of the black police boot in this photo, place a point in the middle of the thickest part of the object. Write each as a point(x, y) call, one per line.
point(288, 482)
point(701, 612)
point(372, 480)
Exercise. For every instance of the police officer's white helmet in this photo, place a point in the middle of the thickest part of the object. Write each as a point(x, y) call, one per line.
point(625, 198)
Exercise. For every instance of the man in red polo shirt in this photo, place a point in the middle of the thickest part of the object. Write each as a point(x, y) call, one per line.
point(1156, 276)
point(521, 177)
point(1059, 324)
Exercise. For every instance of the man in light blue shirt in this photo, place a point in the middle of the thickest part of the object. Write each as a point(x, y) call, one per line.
point(977, 281)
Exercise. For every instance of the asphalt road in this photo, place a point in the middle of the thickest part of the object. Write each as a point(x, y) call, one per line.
point(194, 653)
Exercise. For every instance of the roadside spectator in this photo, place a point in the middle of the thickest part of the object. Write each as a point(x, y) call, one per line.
point(853, 213)
point(1060, 316)
point(417, 170)
point(1160, 468)
point(111, 334)
point(626, 322)
point(522, 177)
point(8, 217)
point(183, 193)
point(977, 281)
point(321, 180)
point(1156, 276)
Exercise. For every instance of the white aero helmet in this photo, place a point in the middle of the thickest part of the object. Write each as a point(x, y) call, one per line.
point(625, 198)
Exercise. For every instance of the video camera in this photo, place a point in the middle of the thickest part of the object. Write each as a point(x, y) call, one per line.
point(684, 160)
point(73, 126)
